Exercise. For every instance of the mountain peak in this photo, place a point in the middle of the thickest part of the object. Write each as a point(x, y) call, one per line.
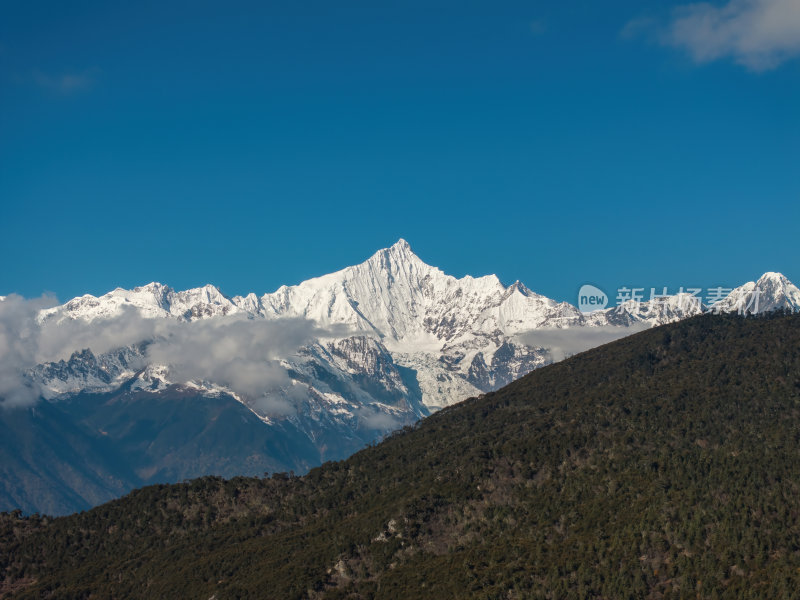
point(398, 255)
point(401, 244)
point(402, 250)
point(780, 292)
point(772, 277)
point(153, 286)
point(772, 291)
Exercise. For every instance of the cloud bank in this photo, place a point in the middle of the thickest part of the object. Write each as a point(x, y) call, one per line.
point(758, 34)
point(19, 348)
point(236, 352)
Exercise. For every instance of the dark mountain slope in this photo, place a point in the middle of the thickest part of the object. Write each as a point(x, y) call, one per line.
point(59, 457)
point(54, 462)
point(664, 465)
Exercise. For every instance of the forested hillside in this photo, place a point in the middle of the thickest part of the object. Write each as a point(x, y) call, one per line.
point(663, 465)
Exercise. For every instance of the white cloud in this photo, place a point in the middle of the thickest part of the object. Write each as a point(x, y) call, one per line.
point(276, 406)
point(562, 343)
point(57, 341)
point(371, 418)
point(19, 346)
point(234, 351)
point(758, 34)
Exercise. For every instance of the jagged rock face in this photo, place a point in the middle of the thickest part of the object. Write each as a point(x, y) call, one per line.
point(85, 372)
point(372, 368)
point(509, 362)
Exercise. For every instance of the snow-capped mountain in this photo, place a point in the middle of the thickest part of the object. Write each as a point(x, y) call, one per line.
point(772, 291)
point(460, 337)
point(447, 330)
point(319, 368)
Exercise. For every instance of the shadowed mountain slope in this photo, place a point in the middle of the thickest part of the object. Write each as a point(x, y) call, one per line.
point(663, 465)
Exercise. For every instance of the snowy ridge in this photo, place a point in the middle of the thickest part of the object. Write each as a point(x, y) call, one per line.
point(153, 300)
point(406, 319)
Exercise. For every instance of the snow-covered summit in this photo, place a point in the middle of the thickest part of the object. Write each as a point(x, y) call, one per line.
point(772, 291)
point(402, 299)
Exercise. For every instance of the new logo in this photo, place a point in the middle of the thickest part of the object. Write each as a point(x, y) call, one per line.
point(591, 298)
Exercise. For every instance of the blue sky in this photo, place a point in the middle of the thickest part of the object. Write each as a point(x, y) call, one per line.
point(250, 145)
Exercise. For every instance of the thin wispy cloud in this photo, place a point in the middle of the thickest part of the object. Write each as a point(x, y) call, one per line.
point(563, 343)
point(538, 27)
point(640, 26)
point(757, 34)
point(66, 83)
